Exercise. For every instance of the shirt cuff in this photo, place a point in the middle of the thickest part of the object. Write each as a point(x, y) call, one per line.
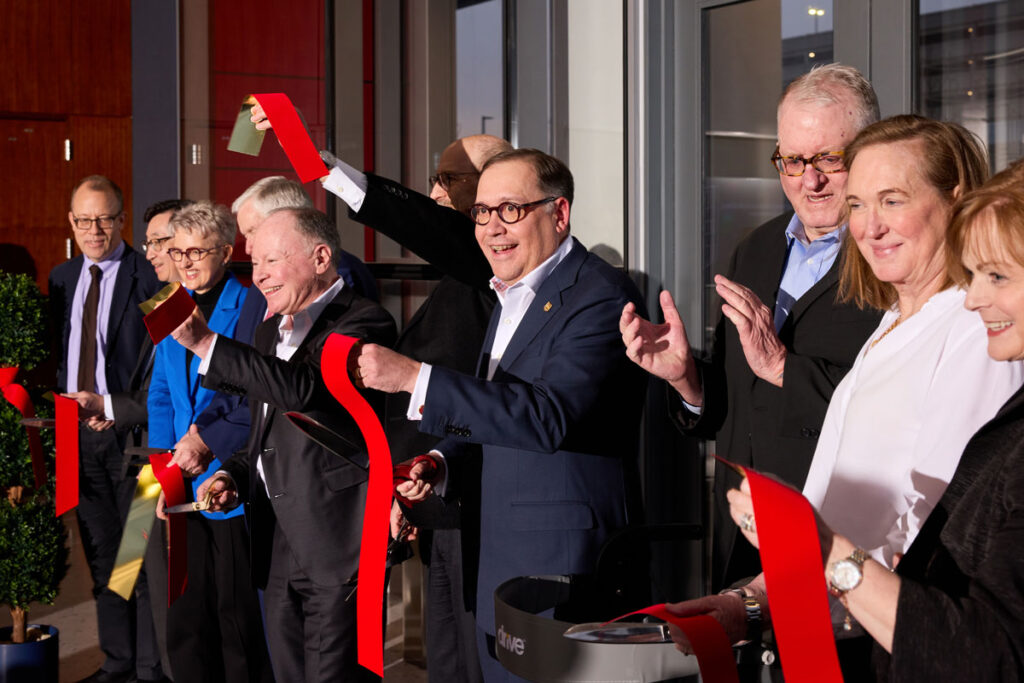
point(205, 365)
point(108, 407)
point(419, 394)
point(696, 410)
point(348, 183)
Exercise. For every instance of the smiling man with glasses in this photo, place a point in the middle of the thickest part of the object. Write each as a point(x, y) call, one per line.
point(98, 332)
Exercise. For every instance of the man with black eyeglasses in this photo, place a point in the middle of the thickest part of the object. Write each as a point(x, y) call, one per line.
point(98, 331)
point(554, 405)
point(783, 343)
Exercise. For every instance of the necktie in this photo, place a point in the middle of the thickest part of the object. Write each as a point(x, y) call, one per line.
point(87, 355)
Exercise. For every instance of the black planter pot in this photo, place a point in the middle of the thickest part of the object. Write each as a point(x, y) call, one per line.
point(36, 662)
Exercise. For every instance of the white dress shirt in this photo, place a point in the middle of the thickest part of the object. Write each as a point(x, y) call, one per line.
point(898, 423)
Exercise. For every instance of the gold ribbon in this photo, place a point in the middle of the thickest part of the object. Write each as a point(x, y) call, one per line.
point(136, 534)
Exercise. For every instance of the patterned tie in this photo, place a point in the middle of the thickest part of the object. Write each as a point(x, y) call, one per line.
point(87, 355)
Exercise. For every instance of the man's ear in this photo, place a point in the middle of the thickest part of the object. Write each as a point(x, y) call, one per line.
point(321, 258)
point(71, 220)
point(561, 215)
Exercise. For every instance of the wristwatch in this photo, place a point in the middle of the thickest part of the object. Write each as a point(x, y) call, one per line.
point(846, 574)
point(753, 609)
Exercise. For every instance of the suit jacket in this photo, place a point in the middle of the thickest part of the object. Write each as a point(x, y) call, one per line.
point(129, 406)
point(126, 333)
point(316, 497)
point(960, 613)
point(757, 424)
point(224, 423)
point(558, 424)
point(176, 395)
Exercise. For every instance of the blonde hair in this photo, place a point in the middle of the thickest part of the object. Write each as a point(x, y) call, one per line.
point(953, 161)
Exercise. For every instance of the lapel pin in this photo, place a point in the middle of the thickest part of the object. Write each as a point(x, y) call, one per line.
point(547, 307)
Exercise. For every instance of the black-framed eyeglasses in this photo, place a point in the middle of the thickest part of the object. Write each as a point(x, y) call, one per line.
point(826, 162)
point(508, 212)
point(446, 180)
point(104, 222)
point(194, 254)
point(156, 246)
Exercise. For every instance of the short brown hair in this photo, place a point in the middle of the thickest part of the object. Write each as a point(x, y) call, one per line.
point(953, 162)
point(553, 176)
point(998, 205)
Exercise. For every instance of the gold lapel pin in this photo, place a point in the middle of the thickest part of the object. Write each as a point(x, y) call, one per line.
point(547, 307)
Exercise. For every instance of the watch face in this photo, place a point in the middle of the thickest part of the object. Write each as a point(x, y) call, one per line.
point(846, 575)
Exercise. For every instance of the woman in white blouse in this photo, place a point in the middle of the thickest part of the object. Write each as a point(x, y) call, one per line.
point(923, 383)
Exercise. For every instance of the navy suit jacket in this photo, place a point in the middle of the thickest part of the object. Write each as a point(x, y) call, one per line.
point(558, 424)
point(224, 424)
point(126, 334)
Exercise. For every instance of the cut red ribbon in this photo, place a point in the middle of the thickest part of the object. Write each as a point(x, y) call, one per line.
point(707, 637)
point(292, 134)
point(173, 485)
point(377, 513)
point(171, 313)
point(18, 397)
point(403, 470)
point(66, 412)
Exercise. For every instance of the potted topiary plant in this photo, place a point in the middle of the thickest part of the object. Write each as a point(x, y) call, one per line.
point(33, 541)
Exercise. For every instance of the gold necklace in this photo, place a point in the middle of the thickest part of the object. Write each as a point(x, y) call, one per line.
point(889, 329)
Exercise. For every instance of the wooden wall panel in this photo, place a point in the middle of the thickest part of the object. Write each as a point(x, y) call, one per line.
point(35, 56)
point(101, 58)
point(267, 37)
point(34, 179)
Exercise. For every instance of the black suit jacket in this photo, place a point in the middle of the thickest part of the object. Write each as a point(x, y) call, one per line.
point(757, 424)
point(126, 333)
point(960, 614)
point(316, 497)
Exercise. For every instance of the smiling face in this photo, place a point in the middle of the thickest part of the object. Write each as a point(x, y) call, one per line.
point(806, 129)
point(290, 273)
point(95, 242)
point(897, 218)
point(159, 229)
point(515, 249)
point(996, 291)
point(201, 275)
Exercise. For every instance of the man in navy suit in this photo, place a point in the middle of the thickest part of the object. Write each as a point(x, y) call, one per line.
point(94, 301)
point(555, 403)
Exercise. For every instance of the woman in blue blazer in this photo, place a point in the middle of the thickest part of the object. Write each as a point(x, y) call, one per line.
point(214, 630)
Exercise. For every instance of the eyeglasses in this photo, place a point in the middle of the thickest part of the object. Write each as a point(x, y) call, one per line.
point(826, 162)
point(194, 254)
point(104, 222)
point(508, 212)
point(156, 246)
point(446, 180)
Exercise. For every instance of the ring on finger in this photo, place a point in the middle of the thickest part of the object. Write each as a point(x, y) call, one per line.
point(747, 522)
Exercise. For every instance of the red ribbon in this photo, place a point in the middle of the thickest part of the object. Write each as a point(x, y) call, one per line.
point(292, 134)
point(402, 471)
point(710, 643)
point(66, 412)
point(377, 514)
point(18, 397)
point(795, 579)
point(173, 485)
point(171, 313)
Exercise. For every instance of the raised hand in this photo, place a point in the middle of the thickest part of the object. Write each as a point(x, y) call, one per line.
point(755, 323)
point(662, 350)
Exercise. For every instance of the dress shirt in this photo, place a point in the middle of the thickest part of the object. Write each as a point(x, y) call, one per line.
point(109, 267)
point(513, 302)
point(806, 262)
point(898, 423)
point(288, 342)
point(347, 183)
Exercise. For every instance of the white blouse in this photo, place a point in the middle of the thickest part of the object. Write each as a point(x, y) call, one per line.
point(898, 423)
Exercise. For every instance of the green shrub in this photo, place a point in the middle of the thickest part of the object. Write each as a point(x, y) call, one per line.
point(23, 316)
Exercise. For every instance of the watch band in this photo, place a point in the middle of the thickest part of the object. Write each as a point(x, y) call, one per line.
point(752, 607)
point(858, 557)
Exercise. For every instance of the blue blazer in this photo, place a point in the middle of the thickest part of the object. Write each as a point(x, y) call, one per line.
point(559, 425)
point(176, 399)
point(135, 282)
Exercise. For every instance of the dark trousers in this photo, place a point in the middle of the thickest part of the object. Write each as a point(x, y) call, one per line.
point(451, 628)
point(215, 629)
point(125, 628)
point(311, 628)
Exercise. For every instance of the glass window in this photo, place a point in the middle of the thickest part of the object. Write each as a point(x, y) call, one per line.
point(479, 86)
point(970, 69)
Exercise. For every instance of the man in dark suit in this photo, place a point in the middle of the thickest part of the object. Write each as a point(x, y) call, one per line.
point(94, 304)
point(763, 390)
point(448, 330)
point(305, 503)
point(555, 404)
